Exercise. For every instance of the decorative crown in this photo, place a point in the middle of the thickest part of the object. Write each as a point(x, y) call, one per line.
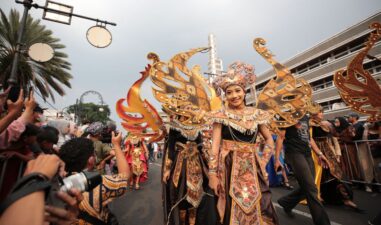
point(238, 73)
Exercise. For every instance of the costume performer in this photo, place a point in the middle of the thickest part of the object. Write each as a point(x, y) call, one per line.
point(332, 190)
point(186, 196)
point(190, 199)
point(236, 173)
point(136, 155)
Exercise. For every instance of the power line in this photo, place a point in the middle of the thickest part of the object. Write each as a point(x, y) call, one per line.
point(45, 100)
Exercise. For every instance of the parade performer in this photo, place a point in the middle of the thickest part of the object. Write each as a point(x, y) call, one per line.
point(137, 158)
point(143, 122)
point(332, 190)
point(187, 197)
point(237, 174)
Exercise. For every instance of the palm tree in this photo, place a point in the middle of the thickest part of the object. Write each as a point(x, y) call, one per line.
point(44, 76)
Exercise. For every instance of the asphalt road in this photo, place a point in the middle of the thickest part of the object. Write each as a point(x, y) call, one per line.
point(144, 207)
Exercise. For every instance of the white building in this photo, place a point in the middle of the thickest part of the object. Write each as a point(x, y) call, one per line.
point(318, 64)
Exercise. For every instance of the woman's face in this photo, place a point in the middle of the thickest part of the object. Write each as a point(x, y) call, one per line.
point(235, 95)
point(319, 115)
point(66, 129)
point(337, 123)
point(73, 129)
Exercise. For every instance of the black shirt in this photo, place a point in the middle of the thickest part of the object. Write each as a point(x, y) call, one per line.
point(359, 128)
point(297, 137)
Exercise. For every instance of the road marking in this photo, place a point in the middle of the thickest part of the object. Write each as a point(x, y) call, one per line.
point(302, 213)
point(277, 205)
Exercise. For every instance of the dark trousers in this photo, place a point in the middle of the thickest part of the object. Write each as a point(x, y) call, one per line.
point(304, 171)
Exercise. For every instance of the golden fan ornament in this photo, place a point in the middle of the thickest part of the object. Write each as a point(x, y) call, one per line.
point(182, 92)
point(358, 89)
point(284, 96)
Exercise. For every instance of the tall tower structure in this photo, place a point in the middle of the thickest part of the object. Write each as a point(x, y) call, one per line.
point(215, 64)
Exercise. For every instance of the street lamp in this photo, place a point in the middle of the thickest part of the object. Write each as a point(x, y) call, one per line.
point(60, 13)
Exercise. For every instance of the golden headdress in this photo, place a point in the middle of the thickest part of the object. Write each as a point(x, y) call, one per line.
point(139, 117)
point(286, 97)
point(182, 92)
point(358, 89)
point(238, 73)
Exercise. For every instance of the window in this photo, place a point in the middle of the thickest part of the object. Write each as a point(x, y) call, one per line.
point(332, 105)
point(340, 52)
point(322, 83)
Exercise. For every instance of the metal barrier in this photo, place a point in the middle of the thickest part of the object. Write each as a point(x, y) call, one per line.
point(368, 162)
point(4, 163)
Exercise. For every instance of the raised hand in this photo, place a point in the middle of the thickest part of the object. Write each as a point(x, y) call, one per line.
point(116, 139)
point(15, 108)
point(48, 165)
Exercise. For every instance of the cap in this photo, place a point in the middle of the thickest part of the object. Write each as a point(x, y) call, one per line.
point(38, 109)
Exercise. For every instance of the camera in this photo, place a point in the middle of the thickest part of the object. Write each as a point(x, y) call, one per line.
point(83, 181)
point(106, 132)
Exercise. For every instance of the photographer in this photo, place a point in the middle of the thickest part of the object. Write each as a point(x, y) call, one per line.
point(78, 155)
point(28, 196)
point(102, 150)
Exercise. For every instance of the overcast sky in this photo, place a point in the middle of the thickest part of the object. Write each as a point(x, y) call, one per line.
point(171, 26)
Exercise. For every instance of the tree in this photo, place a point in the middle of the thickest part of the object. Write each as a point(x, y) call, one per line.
point(91, 112)
point(44, 76)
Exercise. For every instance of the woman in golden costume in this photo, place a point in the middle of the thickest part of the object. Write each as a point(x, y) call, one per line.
point(237, 174)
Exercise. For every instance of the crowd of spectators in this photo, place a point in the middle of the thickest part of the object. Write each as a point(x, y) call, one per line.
point(37, 155)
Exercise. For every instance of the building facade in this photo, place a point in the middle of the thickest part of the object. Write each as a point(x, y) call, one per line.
point(318, 64)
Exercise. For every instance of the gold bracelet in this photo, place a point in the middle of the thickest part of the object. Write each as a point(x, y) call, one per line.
point(168, 164)
point(212, 163)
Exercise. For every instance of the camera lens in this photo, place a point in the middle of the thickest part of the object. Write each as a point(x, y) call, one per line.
point(83, 181)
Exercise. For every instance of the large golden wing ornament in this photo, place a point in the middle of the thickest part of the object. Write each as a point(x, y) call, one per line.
point(284, 96)
point(182, 91)
point(358, 89)
point(139, 117)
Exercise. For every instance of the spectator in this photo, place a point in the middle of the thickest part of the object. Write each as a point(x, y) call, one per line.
point(78, 154)
point(359, 126)
point(150, 152)
point(12, 126)
point(277, 178)
point(73, 130)
point(155, 150)
point(102, 151)
point(47, 138)
point(349, 161)
point(17, 155)
point(364, 156)
point(32, 205)
point(38, 115)
point(63, 127)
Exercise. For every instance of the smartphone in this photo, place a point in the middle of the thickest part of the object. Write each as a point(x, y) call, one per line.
point(30, 92)
point(14, 93)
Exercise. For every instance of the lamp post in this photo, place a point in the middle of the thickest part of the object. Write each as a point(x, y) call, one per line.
point(56, 12)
